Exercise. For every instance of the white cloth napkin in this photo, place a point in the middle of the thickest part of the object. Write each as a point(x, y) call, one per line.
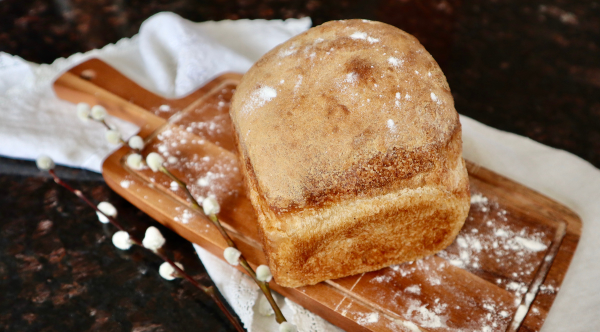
point(173, 57)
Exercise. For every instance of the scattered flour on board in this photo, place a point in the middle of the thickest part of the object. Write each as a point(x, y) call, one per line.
point(364, 319)
point(425, 317)
point(531, 245)
point(478, 199)
point(185, 216)
point(207, 179)
point(221, 174)
point(382, 278)
point(125, 184)
point(414, 289)
point(411, 326)
point(496, 240)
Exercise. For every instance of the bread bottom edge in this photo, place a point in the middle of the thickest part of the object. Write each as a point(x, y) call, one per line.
point(365, 235)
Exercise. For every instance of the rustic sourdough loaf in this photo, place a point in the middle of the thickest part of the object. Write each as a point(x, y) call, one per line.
point(351, 150)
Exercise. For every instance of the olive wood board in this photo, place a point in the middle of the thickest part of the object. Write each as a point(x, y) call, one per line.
point(502, 273)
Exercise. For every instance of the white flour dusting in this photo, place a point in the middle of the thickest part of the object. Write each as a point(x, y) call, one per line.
point(411, 326)
point(434, 97)
point(288, 51)
point(425, 317)
point(414, 289)
point(298, 82)
point(520, 314)
point(221, 173)
point(125, 184)
point(206, 180)
point(497, 244)
point(351, 77)
point(395, 61)
point(390, 124)
point(478, 199)
point(531, 245)
point(363, 36)
point(369, 318)
point(185, 216)
point(382, 278)
point(258, 98)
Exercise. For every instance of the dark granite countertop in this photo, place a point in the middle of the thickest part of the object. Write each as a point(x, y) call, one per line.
point(531, 68)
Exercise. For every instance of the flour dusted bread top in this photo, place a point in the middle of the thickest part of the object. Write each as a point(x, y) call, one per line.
point(348, 108)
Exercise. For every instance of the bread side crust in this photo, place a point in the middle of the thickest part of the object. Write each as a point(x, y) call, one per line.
point(366, 235)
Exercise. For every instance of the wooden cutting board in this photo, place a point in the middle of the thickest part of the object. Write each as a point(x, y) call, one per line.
point(502, 273)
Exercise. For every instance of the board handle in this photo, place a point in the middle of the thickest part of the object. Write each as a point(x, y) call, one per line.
point(97, 83)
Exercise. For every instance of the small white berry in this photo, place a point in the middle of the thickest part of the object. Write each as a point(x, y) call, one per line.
point(154, 161)
point(45, 163)
point(167, 271)
point(98, 112)
point(121, 240)
point(263, 273)
point(153, 239)
point(136, 142)
point(102, 218)
point(287, 327)
point(264, 307)
point(107, 209)
point(211, 206)
point(134, 161)
point(83, 111)
point(113, 136)
point(232, 255)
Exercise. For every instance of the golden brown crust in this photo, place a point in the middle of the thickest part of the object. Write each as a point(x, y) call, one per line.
point(352, 152)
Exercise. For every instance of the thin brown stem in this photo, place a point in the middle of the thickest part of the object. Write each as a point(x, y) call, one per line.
point(210, 291)
point(264, 287)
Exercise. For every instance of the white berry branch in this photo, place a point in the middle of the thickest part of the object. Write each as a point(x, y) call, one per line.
point(232, 255)
point(153, 239)
point(210, 207)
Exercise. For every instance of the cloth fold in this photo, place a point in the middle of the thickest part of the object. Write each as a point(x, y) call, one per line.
point(173, 57)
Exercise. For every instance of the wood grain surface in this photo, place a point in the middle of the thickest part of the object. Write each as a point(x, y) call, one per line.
point(502, 273)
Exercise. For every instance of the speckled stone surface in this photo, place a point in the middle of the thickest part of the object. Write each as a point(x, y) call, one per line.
point(531, 68)
point(59, 270)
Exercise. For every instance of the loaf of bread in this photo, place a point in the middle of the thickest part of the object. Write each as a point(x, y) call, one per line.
point(351, 150)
